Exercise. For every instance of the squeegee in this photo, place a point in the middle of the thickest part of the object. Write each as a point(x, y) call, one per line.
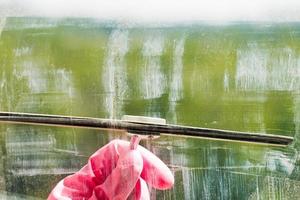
point(141, 125)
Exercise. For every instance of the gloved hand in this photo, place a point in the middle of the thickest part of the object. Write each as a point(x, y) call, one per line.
point(118, 171)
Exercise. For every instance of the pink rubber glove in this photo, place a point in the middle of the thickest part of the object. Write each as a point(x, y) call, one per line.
point(118, 171)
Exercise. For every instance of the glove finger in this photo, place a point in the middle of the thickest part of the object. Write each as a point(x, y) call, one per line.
point(103, 161)
point(155, 172)
point(120, 183)
point(140, 192)
point(63, 193)
point(80, 182)
point(144, 195)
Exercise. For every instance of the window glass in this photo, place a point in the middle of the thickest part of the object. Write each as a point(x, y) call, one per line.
point(240, 76)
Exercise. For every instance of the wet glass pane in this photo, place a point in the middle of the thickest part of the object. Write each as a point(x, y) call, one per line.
point(239, 76)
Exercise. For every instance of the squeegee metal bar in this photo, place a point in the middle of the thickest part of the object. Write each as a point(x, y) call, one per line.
point(142, 128)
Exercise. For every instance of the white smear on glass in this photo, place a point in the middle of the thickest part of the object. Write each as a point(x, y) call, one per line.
point(22, 51)
point(261, 69)
point(276, 161)
point(284, 73)
point(2, 24)
point(38, 78)
point(153, 80)
point(176, 78)
point(251, 72)
point(63, 82)
point(114, 75)
point(297, 119)
point(34, 74)
point(188, 180)
point(226, 81)
point(176, 85)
